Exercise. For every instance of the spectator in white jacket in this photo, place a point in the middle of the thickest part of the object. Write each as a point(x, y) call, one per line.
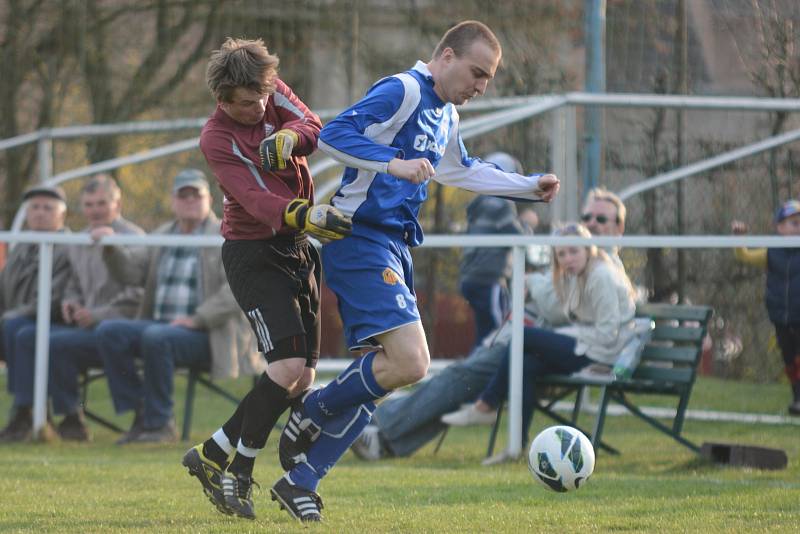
point(597, 298)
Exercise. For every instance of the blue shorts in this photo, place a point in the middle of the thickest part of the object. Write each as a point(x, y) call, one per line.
point(373, 279)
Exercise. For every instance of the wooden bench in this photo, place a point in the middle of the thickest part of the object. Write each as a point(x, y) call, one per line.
point(668, 368)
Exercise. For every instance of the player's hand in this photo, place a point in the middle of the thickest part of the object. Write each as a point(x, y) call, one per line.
point(738, 227)
point(276, 149)
point(321, 220)
point(415, 171)
point(547, 187)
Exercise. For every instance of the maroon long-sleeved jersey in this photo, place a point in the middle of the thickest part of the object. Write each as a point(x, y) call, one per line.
point(256, 198)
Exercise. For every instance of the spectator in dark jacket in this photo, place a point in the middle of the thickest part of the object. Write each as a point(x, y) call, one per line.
point(45, 211)
point(783, 291)
point(485, 270)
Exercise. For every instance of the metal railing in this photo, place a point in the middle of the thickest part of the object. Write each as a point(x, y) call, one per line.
point(519, 243)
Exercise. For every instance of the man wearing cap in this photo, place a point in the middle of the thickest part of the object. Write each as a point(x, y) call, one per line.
point(45, 210)
point(782, 293)
point(91, 295)
point(187, 317)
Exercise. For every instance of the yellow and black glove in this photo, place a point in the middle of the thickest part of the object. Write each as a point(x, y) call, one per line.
point(321, 220)
point(276, 150)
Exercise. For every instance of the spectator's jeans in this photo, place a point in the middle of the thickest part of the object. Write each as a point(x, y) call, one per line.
point(161, 347)
point(545, 352)
point(72, 349)
point(489, 304)
point(14, 358)
point(409, 422)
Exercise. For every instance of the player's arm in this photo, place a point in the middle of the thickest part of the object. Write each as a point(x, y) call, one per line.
point(298, 131)
point(458, 169)
point(353, 138)
point(240, 177)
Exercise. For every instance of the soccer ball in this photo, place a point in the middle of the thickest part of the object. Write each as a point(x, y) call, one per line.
point(561, 458)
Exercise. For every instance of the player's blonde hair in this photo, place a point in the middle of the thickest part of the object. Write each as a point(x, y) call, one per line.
point(241, 63)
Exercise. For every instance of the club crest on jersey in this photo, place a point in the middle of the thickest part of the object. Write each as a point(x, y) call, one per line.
point(268, 129)
point(390, 277)
point(422, 143)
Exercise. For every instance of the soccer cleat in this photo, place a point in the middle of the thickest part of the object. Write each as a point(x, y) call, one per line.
point(367, 445)
point(301, 504)
point(297, 436)
point(237, 490)
point(209, 474)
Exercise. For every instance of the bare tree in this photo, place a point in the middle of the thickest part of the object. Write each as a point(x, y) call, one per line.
point(126, 57)
point(771, 57)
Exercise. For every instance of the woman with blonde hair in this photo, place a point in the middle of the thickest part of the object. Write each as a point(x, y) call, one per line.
point(597, 299)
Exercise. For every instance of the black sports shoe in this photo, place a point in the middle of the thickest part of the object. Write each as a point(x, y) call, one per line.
point(301, 504)
point(237, 490)
point(297, 436)
point(209, 474)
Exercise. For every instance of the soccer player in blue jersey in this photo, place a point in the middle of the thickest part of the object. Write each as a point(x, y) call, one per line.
point(402, 134)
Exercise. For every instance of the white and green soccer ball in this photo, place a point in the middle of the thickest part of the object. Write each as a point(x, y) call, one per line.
point(561, 458)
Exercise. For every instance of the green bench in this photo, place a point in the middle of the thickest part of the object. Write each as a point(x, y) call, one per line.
point(668, 367)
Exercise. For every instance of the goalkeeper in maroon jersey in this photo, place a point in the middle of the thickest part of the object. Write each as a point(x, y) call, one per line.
point(256, 142)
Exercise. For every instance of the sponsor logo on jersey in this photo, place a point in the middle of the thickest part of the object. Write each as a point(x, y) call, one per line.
point(268, 129)
point(390, 277)
point(422, 143)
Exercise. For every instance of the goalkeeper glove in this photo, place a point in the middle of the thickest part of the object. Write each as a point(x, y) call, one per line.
point(322, 221)
point(276, 149)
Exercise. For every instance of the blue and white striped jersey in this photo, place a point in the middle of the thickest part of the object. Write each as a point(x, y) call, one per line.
point(401, 116)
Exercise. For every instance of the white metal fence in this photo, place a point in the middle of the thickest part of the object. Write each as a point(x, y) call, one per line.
point(47, 240)
point(497, 113)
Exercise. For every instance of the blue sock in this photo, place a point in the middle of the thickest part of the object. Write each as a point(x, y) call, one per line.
point(355, 386)
point(339, 433)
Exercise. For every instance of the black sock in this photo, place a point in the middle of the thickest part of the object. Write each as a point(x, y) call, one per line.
point(214, 452)
point(242, 465)
point(265, 403)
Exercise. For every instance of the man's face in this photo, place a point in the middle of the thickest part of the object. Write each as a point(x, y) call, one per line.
point(45, 214)
point(790, 225)
point(465, 77)
point(246, 107)
point(600, 217)
point(191, 205)
point(99, 208)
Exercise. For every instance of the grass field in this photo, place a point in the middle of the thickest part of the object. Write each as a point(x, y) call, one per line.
point(655, 485)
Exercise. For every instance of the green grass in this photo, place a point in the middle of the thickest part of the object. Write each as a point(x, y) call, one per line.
point(655, 485)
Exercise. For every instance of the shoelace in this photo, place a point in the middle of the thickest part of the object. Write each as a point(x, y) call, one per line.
point(246, 490)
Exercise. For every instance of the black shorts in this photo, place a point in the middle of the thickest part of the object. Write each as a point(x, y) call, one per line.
point(276, 283)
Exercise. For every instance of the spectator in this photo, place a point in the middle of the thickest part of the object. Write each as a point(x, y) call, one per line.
point(91, 296)
point(187, 317)
point(783, 290)
point(604, 215)
point(403, 425)
point(599, 300)
point(44, 212)
point(484, 271)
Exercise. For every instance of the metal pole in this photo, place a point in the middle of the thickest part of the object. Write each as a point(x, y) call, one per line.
point(515, 361)
point(595, 30)
point(42, 337)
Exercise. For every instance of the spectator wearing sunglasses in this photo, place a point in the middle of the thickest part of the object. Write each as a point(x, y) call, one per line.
point(604, 215)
